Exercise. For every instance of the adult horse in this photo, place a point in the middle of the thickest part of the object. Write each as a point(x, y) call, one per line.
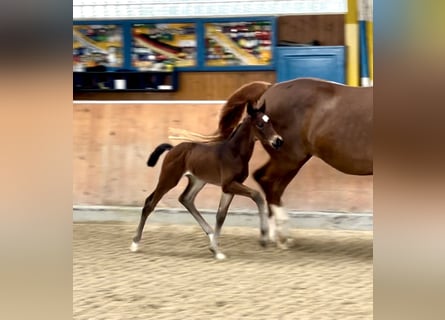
point(315, 118)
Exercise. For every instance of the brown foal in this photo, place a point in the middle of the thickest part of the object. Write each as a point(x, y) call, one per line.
point(223, 163)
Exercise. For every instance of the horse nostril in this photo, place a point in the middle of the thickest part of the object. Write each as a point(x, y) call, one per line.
point(278, 142)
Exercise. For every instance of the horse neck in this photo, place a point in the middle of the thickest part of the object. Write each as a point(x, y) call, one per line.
point(243, 141)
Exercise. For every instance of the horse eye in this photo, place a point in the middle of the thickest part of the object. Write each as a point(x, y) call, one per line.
point(260, 125)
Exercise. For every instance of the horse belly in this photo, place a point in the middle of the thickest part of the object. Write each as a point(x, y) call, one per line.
point(345, 154)
point(206, 170)
point(208, 174)
point(347, 146)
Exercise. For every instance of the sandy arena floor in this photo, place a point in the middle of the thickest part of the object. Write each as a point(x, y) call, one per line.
point(324, 275)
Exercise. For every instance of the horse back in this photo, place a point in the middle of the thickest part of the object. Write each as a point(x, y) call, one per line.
point(325, 119)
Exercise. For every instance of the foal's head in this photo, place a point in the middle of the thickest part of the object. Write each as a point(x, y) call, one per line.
point(263, 127)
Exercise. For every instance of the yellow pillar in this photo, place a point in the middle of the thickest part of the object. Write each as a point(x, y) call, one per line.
point(352, 44)
point(370, 37)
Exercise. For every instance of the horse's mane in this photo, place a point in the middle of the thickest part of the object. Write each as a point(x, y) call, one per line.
point(233, 109)
point(230, 114)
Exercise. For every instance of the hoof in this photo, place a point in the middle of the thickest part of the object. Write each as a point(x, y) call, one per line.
point(220, 256)
point(134, 247)
point(264, 242)
point(284, 243)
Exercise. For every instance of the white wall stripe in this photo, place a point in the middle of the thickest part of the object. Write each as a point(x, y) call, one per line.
point(98, 9)
point(149, 101)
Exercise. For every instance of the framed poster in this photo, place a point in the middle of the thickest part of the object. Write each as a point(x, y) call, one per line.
point(162, 46)
point(189, 44)
point(97, 46)
point(238, 43)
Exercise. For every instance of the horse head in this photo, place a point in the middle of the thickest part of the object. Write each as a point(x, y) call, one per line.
point(263, 127)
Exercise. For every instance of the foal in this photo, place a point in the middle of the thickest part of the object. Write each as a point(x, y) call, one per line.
point(222, 163)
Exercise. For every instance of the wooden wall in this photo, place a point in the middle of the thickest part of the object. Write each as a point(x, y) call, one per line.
point(192, 86)
point(328, 30)
point(111, 144)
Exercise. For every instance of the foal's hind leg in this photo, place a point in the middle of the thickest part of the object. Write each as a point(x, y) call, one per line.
point(224, 203)
point(168, 180)
point(243, 190)
point(187, 198)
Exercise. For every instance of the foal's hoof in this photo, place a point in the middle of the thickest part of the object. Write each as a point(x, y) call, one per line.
point(220, 256)
point(134, 247)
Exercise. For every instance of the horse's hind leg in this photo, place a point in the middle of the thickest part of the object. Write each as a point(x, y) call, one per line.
point(187, 198)
point(243, 190)
point(146, 210)
point(168, 180)
point(224, 203)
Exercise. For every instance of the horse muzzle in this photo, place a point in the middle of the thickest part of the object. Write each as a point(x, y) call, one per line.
point(277, 142)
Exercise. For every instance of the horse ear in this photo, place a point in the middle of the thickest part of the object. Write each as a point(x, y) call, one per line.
point(263, 108)
point(250, 109)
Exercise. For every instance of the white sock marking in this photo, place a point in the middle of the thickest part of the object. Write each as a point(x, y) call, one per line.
point(279, 212)
point(272, 228)
point(282, 224)
point(134, 247)
point(220, 256)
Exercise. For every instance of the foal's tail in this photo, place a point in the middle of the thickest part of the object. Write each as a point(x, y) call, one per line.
point(151, 162)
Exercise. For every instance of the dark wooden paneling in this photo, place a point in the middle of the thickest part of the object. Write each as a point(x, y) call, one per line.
point(329, 30)
point(192, 86)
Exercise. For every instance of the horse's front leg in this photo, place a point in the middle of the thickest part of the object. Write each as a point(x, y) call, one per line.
point(273, 178)
point(224, 203)
point(243, 190)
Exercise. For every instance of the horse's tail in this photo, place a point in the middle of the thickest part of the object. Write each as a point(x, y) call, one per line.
point(229, 116)
point(233, 109)
point(154, 156)
point(185, 135)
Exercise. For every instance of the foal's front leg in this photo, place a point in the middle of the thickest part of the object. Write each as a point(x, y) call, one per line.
point(224, 203)
point(243, 190)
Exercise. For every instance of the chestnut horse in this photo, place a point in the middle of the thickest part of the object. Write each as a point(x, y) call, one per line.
point(223, 163)
point(315, 118)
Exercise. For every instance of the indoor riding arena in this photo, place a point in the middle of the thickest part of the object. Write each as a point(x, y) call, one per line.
point(147, 70)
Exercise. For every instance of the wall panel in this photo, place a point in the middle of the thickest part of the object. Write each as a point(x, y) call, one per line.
point(328, 30)
point(111, 144)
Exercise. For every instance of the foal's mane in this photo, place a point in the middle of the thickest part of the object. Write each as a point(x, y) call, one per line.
point(230, 114)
